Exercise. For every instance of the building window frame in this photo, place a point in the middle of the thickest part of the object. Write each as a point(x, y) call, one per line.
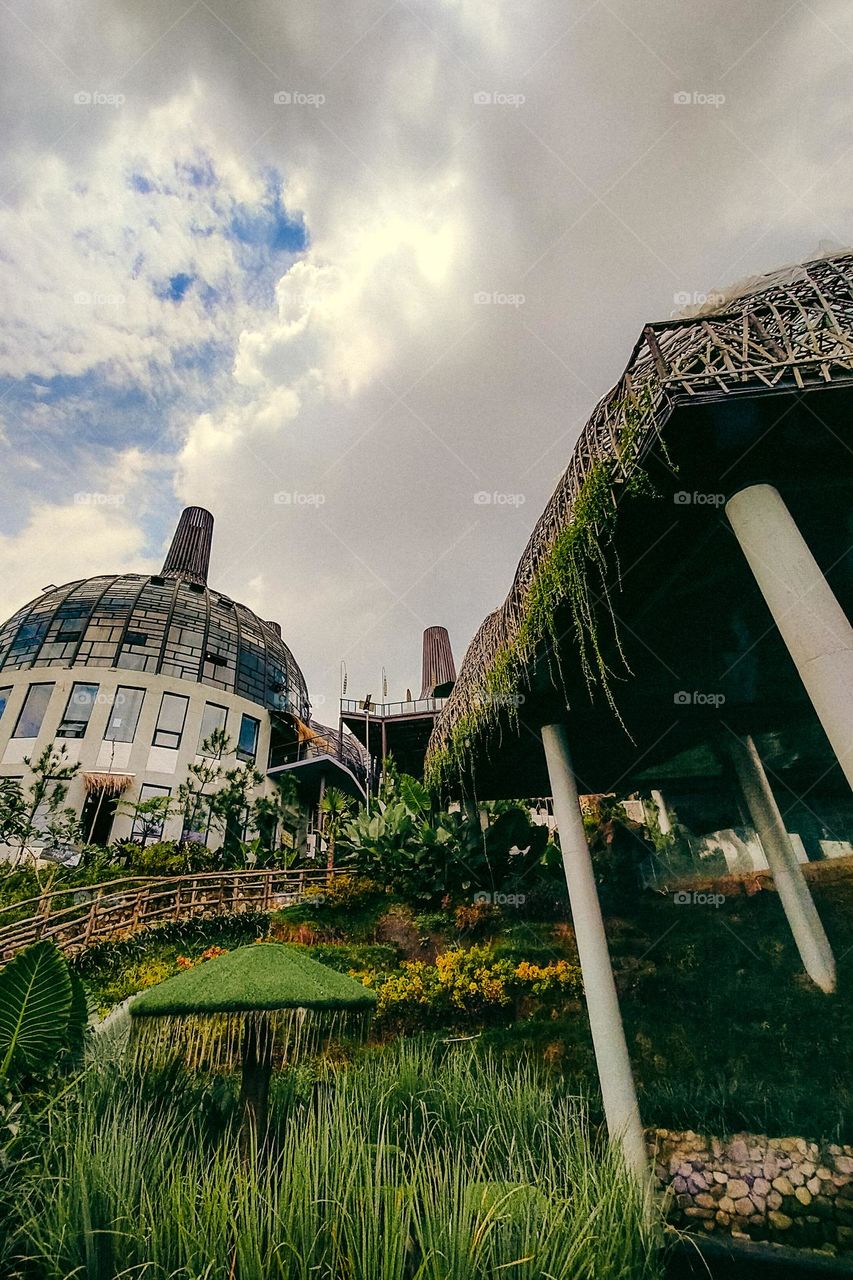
point(148, 791)
point(244, 751)
point(116, 730)
point(71, 726)
point(203, 733)
point(48, 687)
point(171, 737)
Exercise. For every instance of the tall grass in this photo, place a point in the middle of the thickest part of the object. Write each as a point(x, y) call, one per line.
point(408, 1165)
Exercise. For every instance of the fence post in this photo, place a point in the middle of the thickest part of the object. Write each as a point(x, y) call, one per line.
point(43, 914)
point(134, 919)
point(177, 914)
point(93, 915)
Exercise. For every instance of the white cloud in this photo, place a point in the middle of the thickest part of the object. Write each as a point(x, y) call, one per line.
point(88, 255)
point(372, 378)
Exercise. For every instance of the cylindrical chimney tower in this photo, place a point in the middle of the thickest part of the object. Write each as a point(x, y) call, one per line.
point(438, 671)
point(189, 554)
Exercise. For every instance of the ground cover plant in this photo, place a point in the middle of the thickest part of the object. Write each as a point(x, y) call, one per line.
point(411, 1164)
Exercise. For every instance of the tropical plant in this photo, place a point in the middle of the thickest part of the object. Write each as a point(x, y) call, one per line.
point(43, 1011)
point(336, 806)
point(427, 856)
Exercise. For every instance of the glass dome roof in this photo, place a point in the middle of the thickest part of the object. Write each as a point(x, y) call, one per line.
point(172, 624)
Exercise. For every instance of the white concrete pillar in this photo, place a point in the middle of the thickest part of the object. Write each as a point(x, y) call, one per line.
point(810, 619)
point(608, 1035)
point(809, 935)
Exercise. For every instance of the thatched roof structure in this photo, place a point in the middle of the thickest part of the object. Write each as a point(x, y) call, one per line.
point(788, 332)
point(262, 977)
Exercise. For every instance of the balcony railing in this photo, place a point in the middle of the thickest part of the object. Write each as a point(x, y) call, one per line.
point(327, 743)
point(382, 710)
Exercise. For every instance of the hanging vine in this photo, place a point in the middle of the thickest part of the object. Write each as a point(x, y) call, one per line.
point(577, 575)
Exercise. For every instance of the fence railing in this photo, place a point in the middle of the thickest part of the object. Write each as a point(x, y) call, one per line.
point(77, 917)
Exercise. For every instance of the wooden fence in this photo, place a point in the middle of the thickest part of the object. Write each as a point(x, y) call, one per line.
point(75, 918)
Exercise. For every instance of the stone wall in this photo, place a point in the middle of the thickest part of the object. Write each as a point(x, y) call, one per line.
point(784, 1190)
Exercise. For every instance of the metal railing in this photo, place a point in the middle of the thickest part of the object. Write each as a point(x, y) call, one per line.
point(380, 710)
point(75, 918)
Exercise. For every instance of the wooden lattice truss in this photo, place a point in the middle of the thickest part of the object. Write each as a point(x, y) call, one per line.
point(792, 329)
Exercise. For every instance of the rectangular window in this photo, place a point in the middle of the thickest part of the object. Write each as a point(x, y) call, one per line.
point(214, 718)
point(170, 722)
point(32, 712)
point(5, 695)
point(75, 722)
point(247, 744)
point(149, 826)
point(124, 716)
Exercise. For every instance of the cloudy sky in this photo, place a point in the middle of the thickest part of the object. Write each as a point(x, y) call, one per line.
point(353, 275)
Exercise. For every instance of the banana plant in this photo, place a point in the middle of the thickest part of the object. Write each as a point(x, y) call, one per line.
point(43, 1011)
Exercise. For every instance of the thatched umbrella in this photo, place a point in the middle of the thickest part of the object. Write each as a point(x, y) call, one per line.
point(243, 1006)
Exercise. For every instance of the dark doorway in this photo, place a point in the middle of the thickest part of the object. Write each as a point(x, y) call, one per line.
point(98, 815)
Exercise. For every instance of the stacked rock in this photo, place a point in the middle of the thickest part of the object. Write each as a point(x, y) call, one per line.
point(754, 1187)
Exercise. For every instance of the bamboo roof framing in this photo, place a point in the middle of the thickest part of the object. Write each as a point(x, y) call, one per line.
point(790, 331)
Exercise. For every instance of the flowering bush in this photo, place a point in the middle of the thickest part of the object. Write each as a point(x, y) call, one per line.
point(465, 986)
point(552, 979)
point(184, 962)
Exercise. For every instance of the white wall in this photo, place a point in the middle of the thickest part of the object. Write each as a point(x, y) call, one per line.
point(157, 766)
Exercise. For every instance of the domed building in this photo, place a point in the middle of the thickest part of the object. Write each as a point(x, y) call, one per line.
point(134, 672)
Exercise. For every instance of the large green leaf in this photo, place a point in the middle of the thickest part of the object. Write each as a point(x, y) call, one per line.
point(35, 1007)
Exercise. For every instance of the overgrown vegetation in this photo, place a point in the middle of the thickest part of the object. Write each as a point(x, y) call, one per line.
point(576, 575)
point(412, 1164)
